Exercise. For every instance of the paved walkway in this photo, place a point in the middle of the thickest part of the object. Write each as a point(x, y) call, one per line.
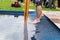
point(54, 16)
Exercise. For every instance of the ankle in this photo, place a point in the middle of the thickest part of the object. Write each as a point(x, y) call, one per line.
point(38, 19)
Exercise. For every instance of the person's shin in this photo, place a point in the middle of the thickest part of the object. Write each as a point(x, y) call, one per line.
point(39, 12)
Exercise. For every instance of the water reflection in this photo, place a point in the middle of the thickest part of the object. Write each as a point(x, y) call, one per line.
point(12, 28)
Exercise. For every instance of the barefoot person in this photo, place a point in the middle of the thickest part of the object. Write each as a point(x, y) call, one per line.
point(38, 4)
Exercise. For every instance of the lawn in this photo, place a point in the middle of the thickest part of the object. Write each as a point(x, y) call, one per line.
point(6, 5)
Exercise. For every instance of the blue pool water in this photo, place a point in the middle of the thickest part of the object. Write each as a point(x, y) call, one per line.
point(46, 30)
point(12, 27)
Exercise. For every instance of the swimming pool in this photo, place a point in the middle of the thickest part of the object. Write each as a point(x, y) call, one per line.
point(12, 27)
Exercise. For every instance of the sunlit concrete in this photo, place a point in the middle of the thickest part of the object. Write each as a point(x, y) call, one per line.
point(54, 16)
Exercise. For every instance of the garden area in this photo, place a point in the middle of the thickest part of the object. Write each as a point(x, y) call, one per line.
point(6, 5)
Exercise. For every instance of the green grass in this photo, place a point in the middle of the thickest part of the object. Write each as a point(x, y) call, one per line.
point(50, 9)
point(6, 5)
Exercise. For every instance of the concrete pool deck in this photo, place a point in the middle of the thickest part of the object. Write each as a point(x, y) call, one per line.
point(54, 16)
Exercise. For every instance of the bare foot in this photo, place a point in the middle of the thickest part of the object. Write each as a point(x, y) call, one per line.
point(35, 21)
point(42, 15)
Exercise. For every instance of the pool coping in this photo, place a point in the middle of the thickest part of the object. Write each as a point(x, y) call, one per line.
point(53, 22)
point(47, 14)
point(12, 12)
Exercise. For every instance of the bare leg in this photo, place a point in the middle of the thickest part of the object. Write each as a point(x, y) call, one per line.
point(38, 14)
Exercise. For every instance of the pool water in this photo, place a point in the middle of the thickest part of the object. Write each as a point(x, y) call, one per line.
point(12, 28)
